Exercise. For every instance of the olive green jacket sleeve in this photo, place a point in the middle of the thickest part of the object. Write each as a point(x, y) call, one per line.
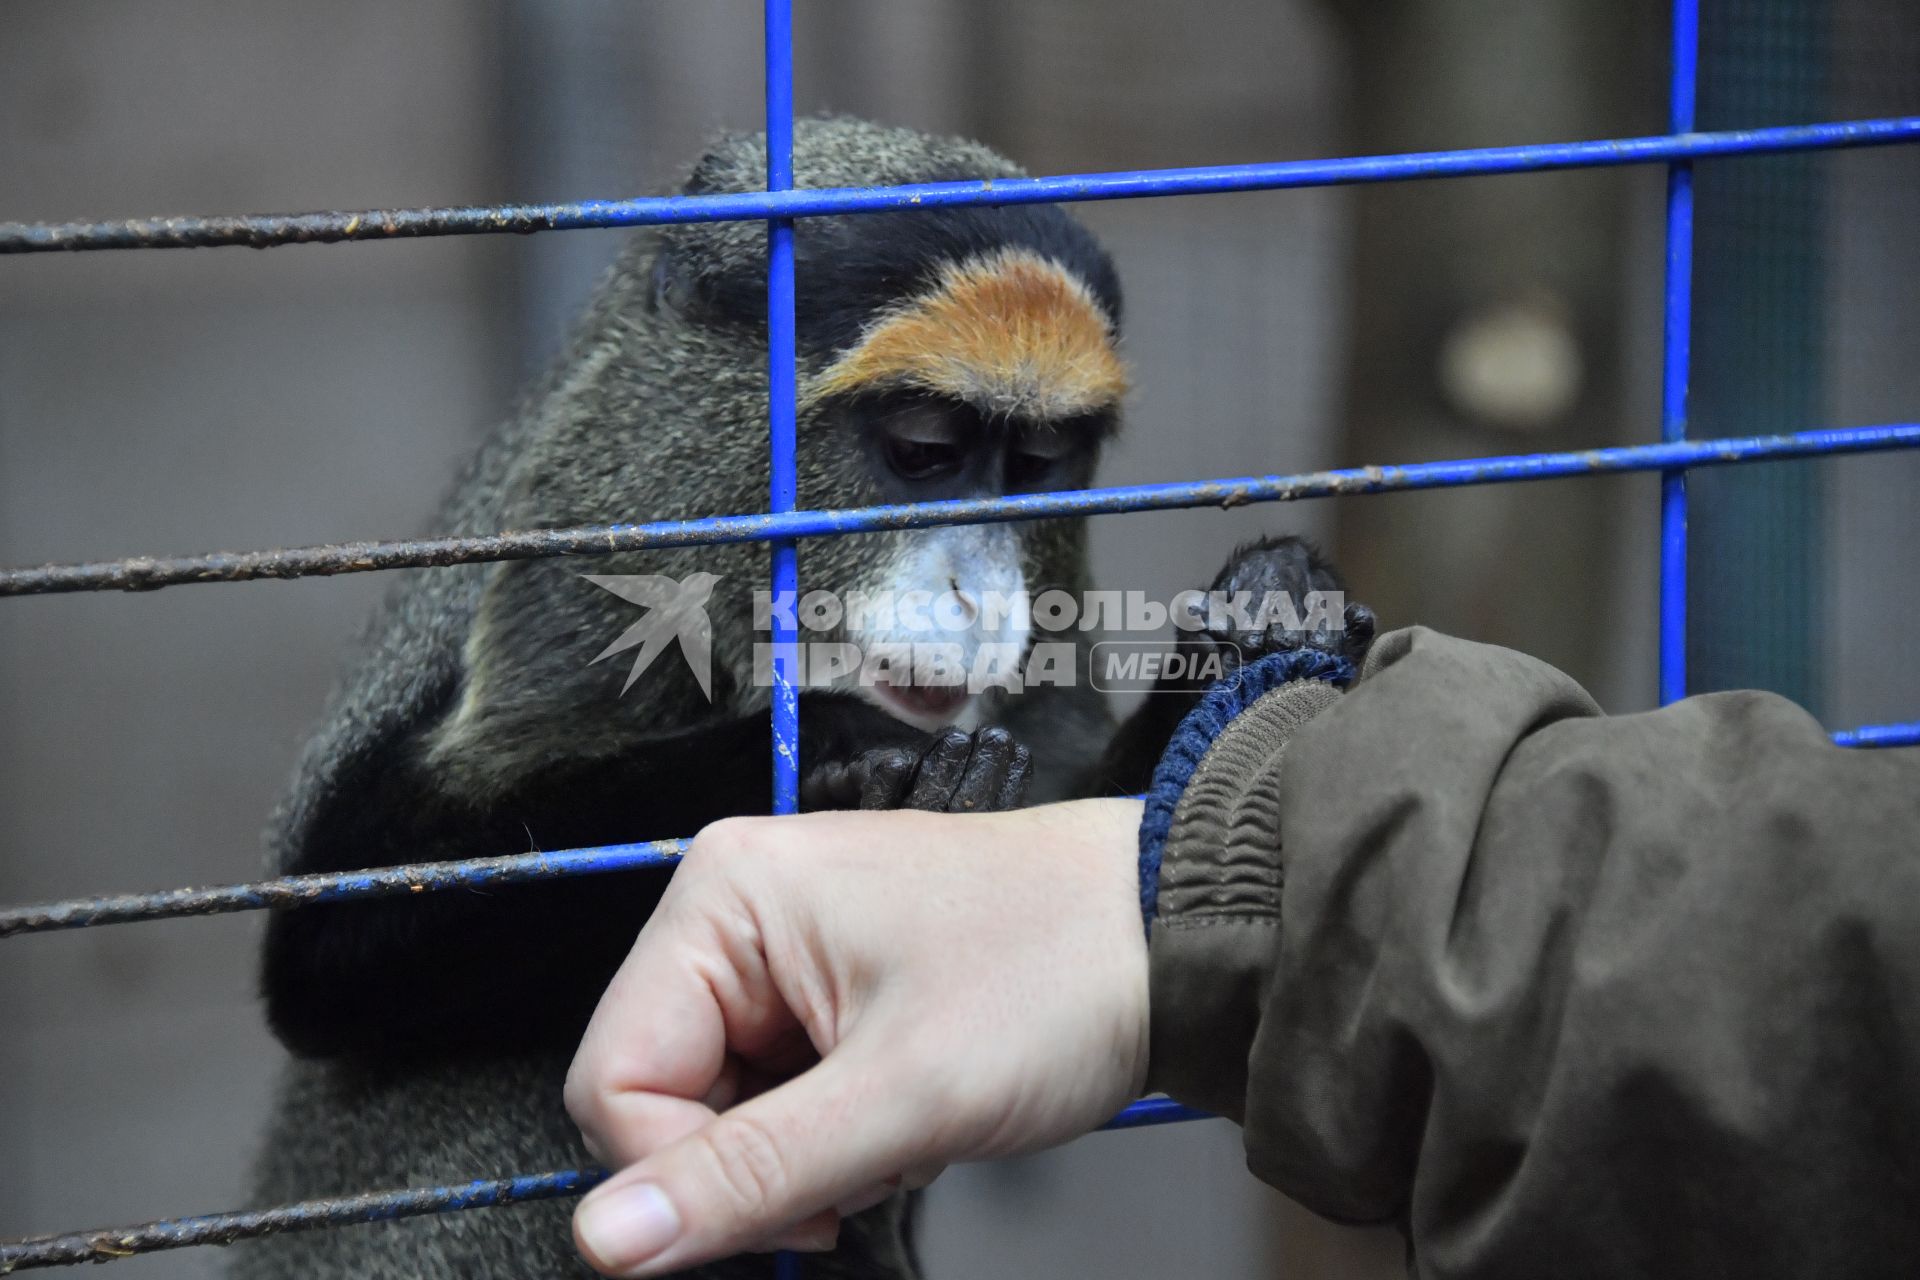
point(1562, 993)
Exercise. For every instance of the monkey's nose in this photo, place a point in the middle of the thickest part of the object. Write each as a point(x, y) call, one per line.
point(969, 603)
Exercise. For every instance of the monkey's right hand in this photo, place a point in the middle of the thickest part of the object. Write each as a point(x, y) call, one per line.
point(955, 772)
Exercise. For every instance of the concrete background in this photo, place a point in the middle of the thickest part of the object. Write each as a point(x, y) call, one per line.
point(185, 401)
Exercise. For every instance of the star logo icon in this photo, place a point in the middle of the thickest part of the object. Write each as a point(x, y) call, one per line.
point(676, 610)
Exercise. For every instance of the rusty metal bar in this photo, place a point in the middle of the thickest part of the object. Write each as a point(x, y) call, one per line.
point(344, 886)
point(110, 1244)
point(262, 231)
point(145, 573)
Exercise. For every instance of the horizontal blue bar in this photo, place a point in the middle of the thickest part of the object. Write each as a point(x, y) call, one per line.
point(305, 890)
point(1880, 735)
point(112, 1243)
point(1152, 1111)
point(428, 877)
point(267, 230)
point(147, 573)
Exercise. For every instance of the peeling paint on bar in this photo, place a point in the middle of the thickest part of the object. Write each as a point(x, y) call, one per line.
point(261, 231)
point(145, 573)
point(113, 1243)
point(301, 891)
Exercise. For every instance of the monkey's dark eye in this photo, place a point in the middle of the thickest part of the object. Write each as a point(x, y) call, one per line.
point(1035, 455)
point(1025, 470)
point(923, 459)
point(924, 438)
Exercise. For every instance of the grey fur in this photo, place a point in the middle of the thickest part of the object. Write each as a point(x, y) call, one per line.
point(651, 414)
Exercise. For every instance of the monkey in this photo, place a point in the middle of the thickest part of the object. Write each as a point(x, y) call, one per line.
point(943, 353)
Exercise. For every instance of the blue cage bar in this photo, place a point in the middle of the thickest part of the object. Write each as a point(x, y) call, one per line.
point(263, 231)
point(782, 405)
point(782, 525)
point(1676, 364)
point(146, 573)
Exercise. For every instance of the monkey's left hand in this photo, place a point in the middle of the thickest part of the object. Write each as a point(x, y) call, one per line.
point(956, 772)
point(1289, 567)
point(1215, 649)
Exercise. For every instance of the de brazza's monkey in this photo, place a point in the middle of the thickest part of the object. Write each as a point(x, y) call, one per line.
point(943, 353)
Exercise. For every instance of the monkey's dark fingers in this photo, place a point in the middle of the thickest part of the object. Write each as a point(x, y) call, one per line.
point(1015, 779)
point(834, 785)
point(1279, 639)
point(942, 769)
point(1350, 637)
point(1358, 638)
point(996, 759)
point(885, 778)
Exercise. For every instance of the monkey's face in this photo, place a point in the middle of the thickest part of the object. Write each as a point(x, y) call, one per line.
point(999, 378)
point(934, 617)
point(943, 352)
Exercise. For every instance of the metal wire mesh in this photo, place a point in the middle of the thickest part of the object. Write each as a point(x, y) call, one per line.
point(778, 206)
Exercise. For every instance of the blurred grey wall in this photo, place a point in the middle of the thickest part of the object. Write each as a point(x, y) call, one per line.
point(183, 401)
point(1871, 589)
point(189, 401)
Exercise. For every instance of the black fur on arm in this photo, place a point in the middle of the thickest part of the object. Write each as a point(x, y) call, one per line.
point(1126, 768)
point(456, 972)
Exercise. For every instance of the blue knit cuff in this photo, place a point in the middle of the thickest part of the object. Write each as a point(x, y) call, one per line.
point(1216, 709)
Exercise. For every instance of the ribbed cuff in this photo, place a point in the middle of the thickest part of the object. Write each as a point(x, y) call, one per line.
point(1198, 731)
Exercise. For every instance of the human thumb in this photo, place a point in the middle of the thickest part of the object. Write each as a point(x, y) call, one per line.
point(781, 1158)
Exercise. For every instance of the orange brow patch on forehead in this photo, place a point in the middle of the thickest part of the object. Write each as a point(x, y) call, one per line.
point(1009, 332)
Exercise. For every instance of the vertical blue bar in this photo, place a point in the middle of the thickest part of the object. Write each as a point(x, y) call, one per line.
point(782, 399)
point(1678, 354)
point(782, 412)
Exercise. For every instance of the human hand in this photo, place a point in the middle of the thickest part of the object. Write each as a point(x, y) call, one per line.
point(829, 1007)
